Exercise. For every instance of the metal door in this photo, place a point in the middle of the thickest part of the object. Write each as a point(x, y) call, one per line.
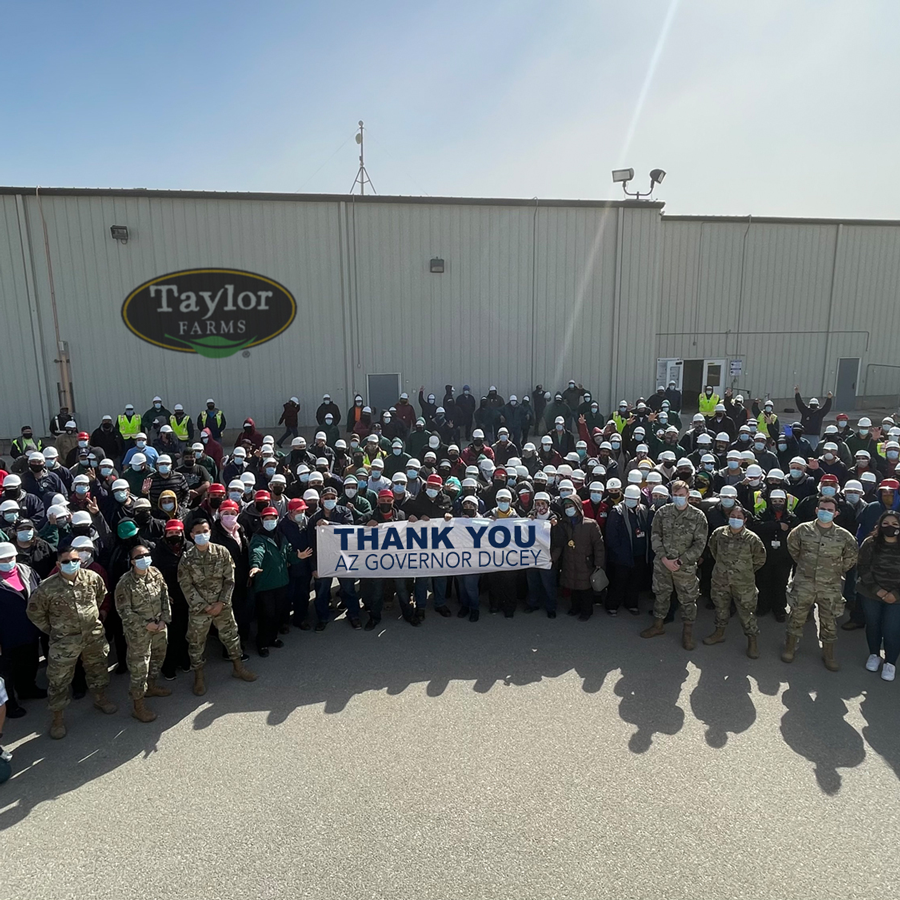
point(847, 379)
point(382, 391)
point(714, 374)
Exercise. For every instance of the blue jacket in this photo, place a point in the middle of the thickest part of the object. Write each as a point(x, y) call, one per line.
point(618, 533)
point(16, 629)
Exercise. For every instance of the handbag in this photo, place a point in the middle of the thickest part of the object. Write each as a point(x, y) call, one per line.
point(599, 580)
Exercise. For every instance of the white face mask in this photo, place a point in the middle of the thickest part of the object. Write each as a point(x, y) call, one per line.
point(270, 524)
point(350, 492)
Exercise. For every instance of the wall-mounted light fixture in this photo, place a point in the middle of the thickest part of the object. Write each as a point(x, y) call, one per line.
point(437, 266)
point(119, 233)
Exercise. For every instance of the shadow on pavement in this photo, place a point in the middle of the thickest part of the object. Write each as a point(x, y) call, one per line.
point(332, 668)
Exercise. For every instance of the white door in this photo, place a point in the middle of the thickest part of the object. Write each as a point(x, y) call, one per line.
point(714, 374)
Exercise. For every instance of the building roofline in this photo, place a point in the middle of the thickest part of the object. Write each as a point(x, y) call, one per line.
point(330, 198)
point(780, 220)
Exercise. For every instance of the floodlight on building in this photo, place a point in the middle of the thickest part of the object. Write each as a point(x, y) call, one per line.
point(119, 233)
point(622, 175)
point(656, 177)
point(436, 267)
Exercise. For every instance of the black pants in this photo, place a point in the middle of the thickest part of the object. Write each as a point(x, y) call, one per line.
point(19, 666)
point(626, 583)
point(177, 649)
point(582, 601)
point(502, 591)
point(270, 611)
point(115, 634)
point(771, 582)
point(298, 591)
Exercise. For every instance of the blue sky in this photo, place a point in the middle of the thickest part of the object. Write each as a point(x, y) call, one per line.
point(768, 108)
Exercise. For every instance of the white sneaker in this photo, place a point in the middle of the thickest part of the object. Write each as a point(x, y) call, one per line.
point(887, 672)
point(873, 662)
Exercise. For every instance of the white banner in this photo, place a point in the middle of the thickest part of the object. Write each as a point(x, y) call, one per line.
point(435, 547)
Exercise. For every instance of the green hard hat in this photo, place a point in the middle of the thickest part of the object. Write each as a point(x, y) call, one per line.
point(126, 529)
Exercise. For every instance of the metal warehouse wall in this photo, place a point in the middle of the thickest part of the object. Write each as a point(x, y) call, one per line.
point(790, 297)
point(533, 291)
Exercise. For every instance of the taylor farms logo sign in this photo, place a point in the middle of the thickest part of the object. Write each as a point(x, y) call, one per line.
point(213, 312)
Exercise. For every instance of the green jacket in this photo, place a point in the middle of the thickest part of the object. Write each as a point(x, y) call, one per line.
point(273, 554)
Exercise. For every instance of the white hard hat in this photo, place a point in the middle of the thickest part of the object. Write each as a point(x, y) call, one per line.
point(614, 484)
point(310, 494)
point(504, 494)
point(542, 495)
point(82, 542)
point(660, 491)
point(780, 495)
point(728, 490)
point(754, 472)
point(248, 479)
point(775, 473)
point(853, 485)
point(635, 476)
point(865, 422)
point(633, 492)
point(82, 518)
point(722, 436)
point(120, 484)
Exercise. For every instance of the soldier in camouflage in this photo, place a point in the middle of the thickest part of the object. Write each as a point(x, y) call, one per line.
point(823, 552)
point(206, 577)
point(678, 537)
point(142, 600)
point(739, 554)
point(67, 607)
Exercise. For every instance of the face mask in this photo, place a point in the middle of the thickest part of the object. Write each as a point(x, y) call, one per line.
point(229, 521)
point(744, 438)
point(82, 443)
point(236, 496)
point(616, 445)
point(733, 464)
point(830, 457)
point(62, 521)
point(9, 565)
point(503, 505)
point(886, 530)
point(680, 502)
point(565, 493)
point(167, 506)
point(736, 523)
point(269, 524)
point(431, 492)
point(201, 539)
point(709, 467)
point(81, 489)
point(121, 496)
point(350, 492)
point(595, 497)
point(754, 482)
point(412, 473)
point(829, 490)
point(52, 463)
point(863, 432)
point(329, 504)
point(559, 428)
point(164, 469)
point(37, 469)
point(853, 498)
point(727, 502)
point(510, 481)
point(545, 445)
point(86, 558)
point(142, 516)
point(104, 471)
point(239, 461)
point(270, 471)
point(571, 511)
point(11, 516)
point(504, 438)
point(399, 488)
point(893, 454)
point(385, 508)
point(377, 473)
point(825, 516)
point(140, 444)
point(796, 474)
point(70, 567)
point(142, 563)
point(137, 467)
point(758, 445)
point(782, 448)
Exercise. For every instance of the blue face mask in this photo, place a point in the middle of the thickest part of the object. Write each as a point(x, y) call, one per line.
point(143, 563)
point(825, 516)
point(782, 448)
point(399, 488)
point(709, 467)
point(733, 464)
point(164, 469)
point(595, 497)
point(70, 567)
point(727, 502)
point(631, 502)
point(503, 505)
point(270, 471)
point(736, 523)
point(829, 490)
point(680, 501)
point(7, 565)
point(329, 504)
point(571, 511)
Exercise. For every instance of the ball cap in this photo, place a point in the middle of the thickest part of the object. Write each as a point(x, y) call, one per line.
point(434, 481)
point(174, 526)
point(385, 495)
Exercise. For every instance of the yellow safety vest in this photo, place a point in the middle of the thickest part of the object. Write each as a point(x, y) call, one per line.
point(708, 405)
point(180, 428)
point(204, 417)
point(760, 505)
point(129, 428)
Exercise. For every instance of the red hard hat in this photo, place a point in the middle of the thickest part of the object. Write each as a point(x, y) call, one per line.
point(388, 495)
point(269, 511)
point(229, 506)
point(216, 489)
point(435, 481)
point(889, 484)
point(262, 495)
point(174, 525)
point(293, 505)
point(829, 479)
point(83, 436)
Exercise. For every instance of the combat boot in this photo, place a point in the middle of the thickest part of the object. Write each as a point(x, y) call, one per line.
point(687, 636)
point(790, 648)
point(242, 672)
point(57, 726)
point(716, 637)
point(105, 705)
point(752, 647)
point(654, 630)
point(141, 713)
point(199, 683)
point(154, 691)
point(828, 658)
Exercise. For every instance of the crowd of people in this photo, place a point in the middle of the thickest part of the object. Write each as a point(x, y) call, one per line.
point(152, 530)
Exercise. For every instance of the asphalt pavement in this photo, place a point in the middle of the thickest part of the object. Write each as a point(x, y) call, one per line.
point(526, 758)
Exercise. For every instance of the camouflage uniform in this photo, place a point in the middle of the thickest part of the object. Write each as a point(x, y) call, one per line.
point(822, 556)
point(69, 611)
point(141, 600)
point(207, 577)
point(677, 534)
point(737, 556)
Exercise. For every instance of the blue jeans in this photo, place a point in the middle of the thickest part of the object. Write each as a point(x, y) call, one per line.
point(439, 587)
point(373, 594)
point(541, 588)
point(323, 595)
point(882, 626)
point(467, 585)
